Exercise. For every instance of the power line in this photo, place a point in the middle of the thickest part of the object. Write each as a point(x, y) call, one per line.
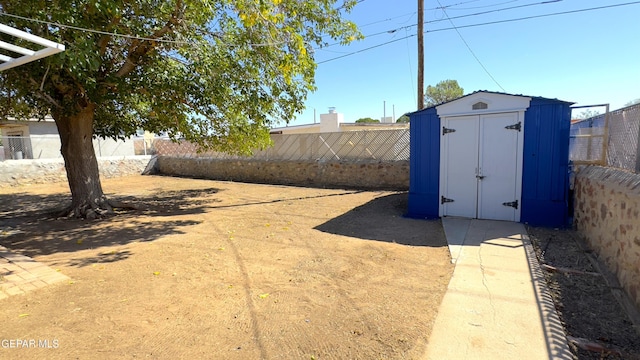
point(487, 23)
point(477, 7)
point(470, 50)
point(460, 3)
point(366, 49)
point(415, 100)
point(134, 37)
point(389, 19)
point(541, 16)
point(391, 31)
point(91, 30)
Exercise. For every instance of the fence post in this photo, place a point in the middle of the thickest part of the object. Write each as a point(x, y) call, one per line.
point(638, 145)
point(605, 138)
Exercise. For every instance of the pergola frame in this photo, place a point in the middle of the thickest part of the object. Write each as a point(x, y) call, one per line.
point(28, 55)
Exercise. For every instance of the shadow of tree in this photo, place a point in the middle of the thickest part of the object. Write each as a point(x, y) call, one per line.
point(26, 225)
point(101, 258)
point(386, 213)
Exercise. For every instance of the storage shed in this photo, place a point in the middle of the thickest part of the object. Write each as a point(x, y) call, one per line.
point(490, 155)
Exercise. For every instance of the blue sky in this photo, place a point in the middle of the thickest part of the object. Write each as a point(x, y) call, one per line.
point(586, 57)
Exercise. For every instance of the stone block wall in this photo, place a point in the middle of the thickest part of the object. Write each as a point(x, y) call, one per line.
point(392, 175)
point(40, 171)
point(607, 214)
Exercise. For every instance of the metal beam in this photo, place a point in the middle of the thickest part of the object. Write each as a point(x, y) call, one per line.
point(16, 49)
point(51, 48)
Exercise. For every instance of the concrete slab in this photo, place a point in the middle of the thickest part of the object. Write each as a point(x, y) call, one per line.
point(456, 230)
point(497, 305)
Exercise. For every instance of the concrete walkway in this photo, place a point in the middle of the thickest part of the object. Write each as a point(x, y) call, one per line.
point(497, 305)
point(20, 274)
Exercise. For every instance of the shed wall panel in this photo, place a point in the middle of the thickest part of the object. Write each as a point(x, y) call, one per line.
point(545, 164)
point(425, 165)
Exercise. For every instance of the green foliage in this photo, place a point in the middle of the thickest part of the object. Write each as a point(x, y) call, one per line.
point(403, 119)
point(444, 91)
point(588, 113)
point(367, 120)
point(217, 73)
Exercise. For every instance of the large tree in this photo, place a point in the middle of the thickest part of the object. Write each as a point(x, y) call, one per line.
point(216, 73)
point(444, 91)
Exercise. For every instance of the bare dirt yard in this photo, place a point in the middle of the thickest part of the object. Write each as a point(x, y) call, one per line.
point(596, 324)
point(222, 270)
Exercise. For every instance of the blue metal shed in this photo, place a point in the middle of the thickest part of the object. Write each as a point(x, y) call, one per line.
point(491, 155)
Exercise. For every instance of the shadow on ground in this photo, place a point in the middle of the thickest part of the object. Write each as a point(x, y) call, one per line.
point(387, 213)
point(26, 224)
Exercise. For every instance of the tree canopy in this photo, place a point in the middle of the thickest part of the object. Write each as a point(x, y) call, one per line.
point(444, 91)
point(215, 73)
point(367, 120)
point(587, 113)
point(403, 119)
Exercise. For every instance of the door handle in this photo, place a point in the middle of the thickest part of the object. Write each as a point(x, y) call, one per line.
point(480, 177)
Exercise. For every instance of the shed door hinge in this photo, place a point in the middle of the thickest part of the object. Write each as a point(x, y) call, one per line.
point(445, 200)
point(517, 126)
point(513, 204)
point(446, 131)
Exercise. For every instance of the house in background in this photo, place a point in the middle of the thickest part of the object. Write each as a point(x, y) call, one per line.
point(30, 139)
point(39, 139)
point(334, 122)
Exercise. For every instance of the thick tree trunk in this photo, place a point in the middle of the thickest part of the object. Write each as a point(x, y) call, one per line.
point(76, 135)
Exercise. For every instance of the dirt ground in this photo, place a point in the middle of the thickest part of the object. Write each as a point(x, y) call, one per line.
point(224, 270)
point(585, 302)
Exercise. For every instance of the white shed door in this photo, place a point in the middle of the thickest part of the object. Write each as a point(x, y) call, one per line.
point(480, 173)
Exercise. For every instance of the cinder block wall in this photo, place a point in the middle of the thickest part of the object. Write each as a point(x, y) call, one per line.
point(393, 175)
point(607, 214)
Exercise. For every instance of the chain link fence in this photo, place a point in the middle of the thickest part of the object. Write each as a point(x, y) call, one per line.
point(592, 138)
point(624, 133)
point(374, 145)
point(367, 145)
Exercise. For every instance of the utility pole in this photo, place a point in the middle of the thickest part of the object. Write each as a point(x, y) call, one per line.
point(420, 54)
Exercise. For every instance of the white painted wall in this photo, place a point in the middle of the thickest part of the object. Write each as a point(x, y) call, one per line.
point(331, 122)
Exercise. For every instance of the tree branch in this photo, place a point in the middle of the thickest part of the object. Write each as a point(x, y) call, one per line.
point(143, 47)
point(42, 95)
point(104, 39)
point(44, 78)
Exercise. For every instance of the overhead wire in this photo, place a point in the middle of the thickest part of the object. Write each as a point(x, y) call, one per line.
point(389, 19)
point(133, 37)
point(460, 3)
point(470, 50)
point(487, 23)
point(410, 68)
point(391, 31)
point(63, 26)
point(478, 7)
point(358, 51)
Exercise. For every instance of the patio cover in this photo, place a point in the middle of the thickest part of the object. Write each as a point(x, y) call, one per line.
point(28, 55)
